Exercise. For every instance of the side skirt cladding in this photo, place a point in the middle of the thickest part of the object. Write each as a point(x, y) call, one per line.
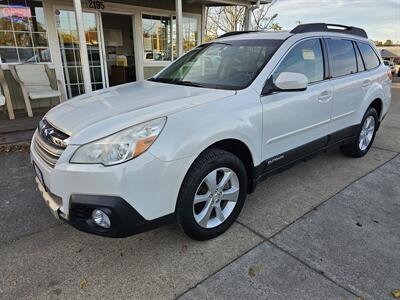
point(288, 159)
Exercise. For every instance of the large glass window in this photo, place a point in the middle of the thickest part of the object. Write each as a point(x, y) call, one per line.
point(156, 38)
point(232, 65)
point(343, 57)
point(190, 34)
point(159, 37)
point(371, 60)
point(23, 32)
point(305, 58)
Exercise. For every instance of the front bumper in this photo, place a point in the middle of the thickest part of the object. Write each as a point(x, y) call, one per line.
point(139, 195)
point(124, 218)
point(53, 203)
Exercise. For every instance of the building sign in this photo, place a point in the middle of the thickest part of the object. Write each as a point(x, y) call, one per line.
point(15, 11)
point(95, 4)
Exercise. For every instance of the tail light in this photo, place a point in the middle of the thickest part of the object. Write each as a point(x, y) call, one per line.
point(389, 74)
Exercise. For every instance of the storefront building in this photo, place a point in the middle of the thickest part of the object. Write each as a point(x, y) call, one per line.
point(93, 44)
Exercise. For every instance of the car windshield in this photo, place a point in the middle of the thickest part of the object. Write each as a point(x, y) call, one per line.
point(223, 65)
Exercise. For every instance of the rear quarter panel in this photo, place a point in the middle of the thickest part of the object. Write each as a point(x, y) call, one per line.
point(379, 89)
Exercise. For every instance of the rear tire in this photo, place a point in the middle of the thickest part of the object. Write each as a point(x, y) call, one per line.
point(212, 194)
point(365, 135)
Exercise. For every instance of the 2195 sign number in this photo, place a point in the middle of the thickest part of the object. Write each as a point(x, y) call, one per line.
point(96, 4)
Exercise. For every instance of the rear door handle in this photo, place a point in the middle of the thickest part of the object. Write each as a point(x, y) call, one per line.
point(366, 84)
point(325, 96)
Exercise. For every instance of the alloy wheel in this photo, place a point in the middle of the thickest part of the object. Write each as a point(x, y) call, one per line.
point(367, 133)
point(216, 197)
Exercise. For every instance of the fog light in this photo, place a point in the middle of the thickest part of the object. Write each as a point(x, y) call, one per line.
point(101, 218)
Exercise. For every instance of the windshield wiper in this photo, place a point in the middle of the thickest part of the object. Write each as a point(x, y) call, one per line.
point(154, 79)
point(179, 82)
point(189, 83)
point(222, 43)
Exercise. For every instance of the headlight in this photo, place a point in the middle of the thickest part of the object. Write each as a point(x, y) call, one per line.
point(121, 146)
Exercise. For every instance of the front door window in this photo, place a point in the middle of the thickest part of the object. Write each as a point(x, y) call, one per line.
point(305, 58)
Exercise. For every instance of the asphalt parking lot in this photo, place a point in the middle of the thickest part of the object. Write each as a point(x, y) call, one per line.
point(325, 229)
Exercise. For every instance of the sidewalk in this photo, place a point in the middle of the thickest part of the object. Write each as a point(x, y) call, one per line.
point(348, 247)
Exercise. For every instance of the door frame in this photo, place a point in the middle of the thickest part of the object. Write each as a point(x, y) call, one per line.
point(135, 40)
point(102, 49)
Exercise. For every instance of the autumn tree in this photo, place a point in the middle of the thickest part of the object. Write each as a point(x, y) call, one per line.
point(388, 43)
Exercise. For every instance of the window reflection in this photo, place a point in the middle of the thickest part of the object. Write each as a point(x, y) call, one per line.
point(156, 38)
point(23, 36)
point(159, 36)
point(190, 34)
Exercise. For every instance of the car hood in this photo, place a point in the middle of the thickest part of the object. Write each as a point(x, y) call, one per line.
point(122, 106)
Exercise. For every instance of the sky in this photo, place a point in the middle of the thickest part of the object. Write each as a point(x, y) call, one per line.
point(380, 18)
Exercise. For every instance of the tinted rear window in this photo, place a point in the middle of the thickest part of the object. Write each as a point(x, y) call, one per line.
point(342, 56)
point(370, 58)
point(360, 64)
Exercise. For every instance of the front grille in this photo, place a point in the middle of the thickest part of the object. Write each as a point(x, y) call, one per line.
point(43, 143)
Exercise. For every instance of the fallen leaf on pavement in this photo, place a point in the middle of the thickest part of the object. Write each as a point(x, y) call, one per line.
point(396, 293)
point(184, 248)
point(253, 270)
point(83, 283)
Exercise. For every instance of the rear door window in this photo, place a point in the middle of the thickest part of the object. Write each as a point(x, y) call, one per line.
point(369, 56)
point(360, 64)
point(342, 56)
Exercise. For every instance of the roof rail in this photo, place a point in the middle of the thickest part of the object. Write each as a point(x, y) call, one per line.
point(313, 27)
point(236, 33)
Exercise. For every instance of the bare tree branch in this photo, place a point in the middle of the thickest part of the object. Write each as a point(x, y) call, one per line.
point(232, 18)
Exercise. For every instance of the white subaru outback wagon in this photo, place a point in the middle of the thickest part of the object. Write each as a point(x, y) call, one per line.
point(191, 142)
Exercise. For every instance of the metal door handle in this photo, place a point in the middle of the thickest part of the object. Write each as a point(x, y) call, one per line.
point(325, 96)
point(366, 84)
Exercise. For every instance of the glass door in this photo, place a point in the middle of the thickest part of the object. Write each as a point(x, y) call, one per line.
point(94, 50)
point(70, 55)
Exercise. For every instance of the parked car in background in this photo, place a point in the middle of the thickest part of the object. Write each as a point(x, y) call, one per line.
point(391, 66)
point(191, 142)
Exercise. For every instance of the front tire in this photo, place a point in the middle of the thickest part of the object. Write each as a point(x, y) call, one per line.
point(365, 135)
point(212, 194)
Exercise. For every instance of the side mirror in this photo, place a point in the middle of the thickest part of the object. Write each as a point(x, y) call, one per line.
point(286, 82)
